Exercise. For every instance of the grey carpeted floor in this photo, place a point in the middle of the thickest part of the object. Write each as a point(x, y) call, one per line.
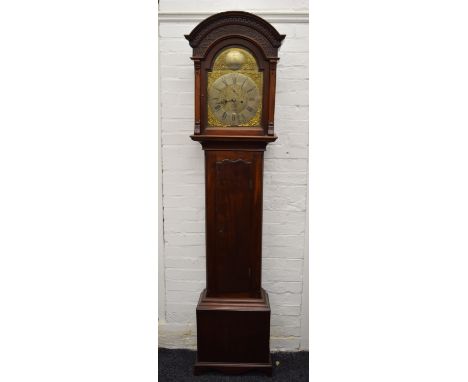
point(175, 365)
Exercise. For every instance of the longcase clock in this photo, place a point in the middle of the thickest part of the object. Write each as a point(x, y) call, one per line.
point(235, 55)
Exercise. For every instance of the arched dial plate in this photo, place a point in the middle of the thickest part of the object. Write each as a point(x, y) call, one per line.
point(234, 99)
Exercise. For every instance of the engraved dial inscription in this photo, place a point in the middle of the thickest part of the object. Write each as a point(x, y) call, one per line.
point(234, 99)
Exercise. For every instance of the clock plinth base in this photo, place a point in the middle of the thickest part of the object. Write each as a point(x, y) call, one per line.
point(233, 368)
point(233, 334)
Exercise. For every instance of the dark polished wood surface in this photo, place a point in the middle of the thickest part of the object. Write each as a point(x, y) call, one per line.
point(233, 334)
point(233, 222)
point(233, 313)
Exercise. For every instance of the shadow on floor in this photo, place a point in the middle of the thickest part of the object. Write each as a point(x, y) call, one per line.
point(175, 365)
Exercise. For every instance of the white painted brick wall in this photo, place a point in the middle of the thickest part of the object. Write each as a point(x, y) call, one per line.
point(285, 184)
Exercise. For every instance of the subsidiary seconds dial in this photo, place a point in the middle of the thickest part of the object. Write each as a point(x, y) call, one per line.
point(234, 99)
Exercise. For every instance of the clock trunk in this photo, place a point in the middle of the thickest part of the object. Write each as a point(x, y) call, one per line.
point(234, 216)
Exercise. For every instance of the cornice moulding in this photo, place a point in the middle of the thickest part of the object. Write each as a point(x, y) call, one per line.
point(272, 17)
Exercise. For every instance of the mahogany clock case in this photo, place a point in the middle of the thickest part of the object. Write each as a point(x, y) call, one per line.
point(233, 312)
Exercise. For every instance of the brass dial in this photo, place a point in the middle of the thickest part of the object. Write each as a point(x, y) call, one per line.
point(234, 99)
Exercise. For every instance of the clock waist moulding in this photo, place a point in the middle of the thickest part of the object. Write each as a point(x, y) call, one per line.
point(235, 55)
